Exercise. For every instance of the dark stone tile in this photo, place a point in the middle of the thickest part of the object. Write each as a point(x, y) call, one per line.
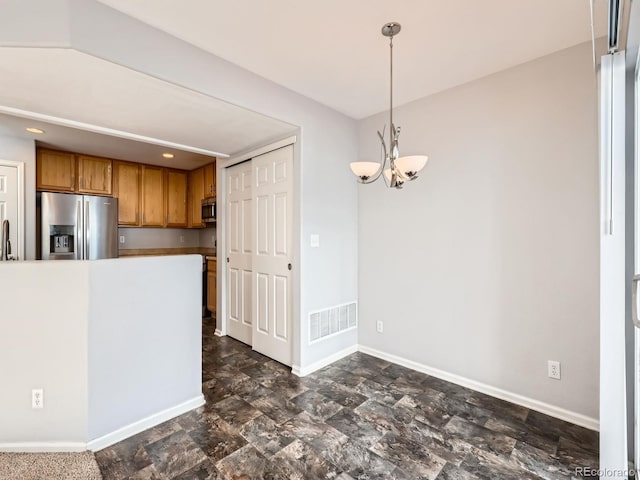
point(369, 361)
point(286, 385)
point(235, 411)
point(361, 463)
point(123, 459)
point(277, 408)
point(480, 437)
point(216, 438)
point(452, 472)
point(357, 428)
point(522, 432)
point(316, 404)
point(414, 459)
point(299, 460)
point(266, 435)
point(247, 461)
point(487, 466)
point(388, 418)
point(250, 390)
point(428, 412)
point(147, 473)
point(587, 439)
point(175, 454)
point(343, 377)
point(342, 395)
point(450, 389)
point(438, 442)
point(314, 432)
point(397, 371)
point(379, 392)
point(573, 455)
point(499, 408)
point(203, 471)
point(540, 463)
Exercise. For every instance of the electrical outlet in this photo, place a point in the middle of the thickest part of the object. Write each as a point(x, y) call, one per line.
point(315, 240)
point(554, 369)
point(181, 238)
point(379, 326)
point(37, 398)
point(122, 239)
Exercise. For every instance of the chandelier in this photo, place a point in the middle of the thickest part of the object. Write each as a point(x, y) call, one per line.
point(400, 169)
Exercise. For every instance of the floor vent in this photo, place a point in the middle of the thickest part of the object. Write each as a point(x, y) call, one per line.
point(332, 321)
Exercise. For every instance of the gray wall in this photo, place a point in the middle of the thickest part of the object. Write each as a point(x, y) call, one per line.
point(145, 346)
point(487, 266)
point(136, 238)
point(21, 150)
point(44, 345)
point(327, 142)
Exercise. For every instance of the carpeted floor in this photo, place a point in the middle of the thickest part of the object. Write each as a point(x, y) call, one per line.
point(46, 466)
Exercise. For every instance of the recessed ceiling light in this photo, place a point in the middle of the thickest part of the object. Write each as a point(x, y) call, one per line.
point(167, 155)
point(34, 130)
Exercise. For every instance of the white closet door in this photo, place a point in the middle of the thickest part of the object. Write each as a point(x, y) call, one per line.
point(272, 256)
point(239, 251)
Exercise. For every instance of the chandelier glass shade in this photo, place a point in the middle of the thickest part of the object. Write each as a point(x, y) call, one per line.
point(395, 170)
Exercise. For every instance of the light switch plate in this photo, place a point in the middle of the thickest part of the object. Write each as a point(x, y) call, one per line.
point(315, 240)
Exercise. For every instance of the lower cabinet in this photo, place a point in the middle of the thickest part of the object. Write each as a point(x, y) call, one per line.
point(211, 286)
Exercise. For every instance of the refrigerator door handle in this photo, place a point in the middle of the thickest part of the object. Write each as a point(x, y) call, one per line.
point(78, 245)
point(87, 230)
point(634, 300)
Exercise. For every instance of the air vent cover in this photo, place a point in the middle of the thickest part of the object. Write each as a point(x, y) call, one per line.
point(332, 321)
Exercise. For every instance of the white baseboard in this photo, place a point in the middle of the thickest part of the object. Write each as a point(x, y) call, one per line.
point(303, 371)
point(144, 424)
point(33, 447)
point(218, 333)
point(538, 406)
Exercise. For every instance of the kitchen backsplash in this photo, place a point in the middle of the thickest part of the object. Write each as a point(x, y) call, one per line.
point(141, 238)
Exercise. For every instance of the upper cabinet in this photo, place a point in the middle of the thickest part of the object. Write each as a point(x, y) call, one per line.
point(67, 172)
point(148, 196)
point(126, 188)
point(152, 196)
point(210, 180)
point(94, 175)
point(176, 198)
point(196, 194)
point(55, 171)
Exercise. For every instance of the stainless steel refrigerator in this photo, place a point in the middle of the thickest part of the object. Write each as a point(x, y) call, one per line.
point(76, 227)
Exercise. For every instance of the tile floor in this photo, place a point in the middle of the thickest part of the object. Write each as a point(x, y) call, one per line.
point(360, 418)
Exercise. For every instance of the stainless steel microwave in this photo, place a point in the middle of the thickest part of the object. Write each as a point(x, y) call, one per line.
point(209, 210)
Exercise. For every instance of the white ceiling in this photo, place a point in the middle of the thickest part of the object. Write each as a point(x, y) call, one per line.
point(333, 52)
point(90, 143)
point(67, 84)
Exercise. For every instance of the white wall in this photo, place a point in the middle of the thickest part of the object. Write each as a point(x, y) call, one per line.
point(21, 150)
point(43, 320)
point(145, 341)
point(487, 265)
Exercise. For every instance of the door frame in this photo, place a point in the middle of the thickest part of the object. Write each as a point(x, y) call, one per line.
point(221, 235)
point(21, 208)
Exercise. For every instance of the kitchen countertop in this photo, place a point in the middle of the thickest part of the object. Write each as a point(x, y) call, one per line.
point(138, 252)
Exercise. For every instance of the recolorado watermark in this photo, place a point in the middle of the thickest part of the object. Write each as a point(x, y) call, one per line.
point(587, 472)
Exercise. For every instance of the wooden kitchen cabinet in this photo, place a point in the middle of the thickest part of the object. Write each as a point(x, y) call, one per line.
point(196, 194)
point(211, 286)
point(55, 171)
point(152, 198)
point(176, 198)
point(126, 188)
point(210, 180)
point(94, 175)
